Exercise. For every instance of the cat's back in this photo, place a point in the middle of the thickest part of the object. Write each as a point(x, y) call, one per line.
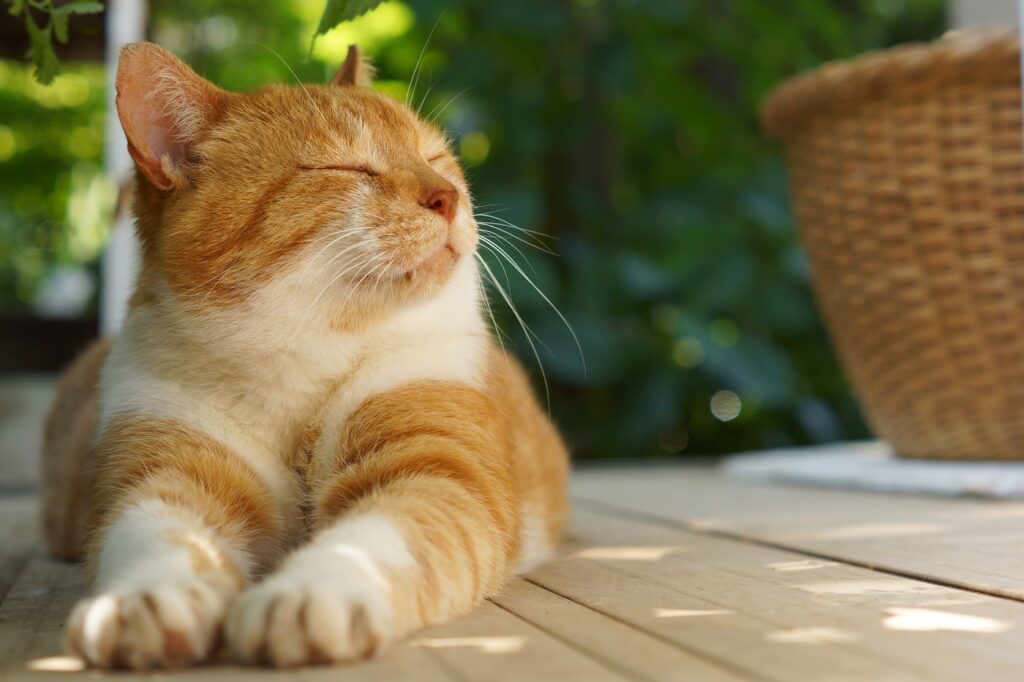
point(68, 436)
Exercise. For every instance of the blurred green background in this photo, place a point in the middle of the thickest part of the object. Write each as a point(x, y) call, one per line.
point(624, 129)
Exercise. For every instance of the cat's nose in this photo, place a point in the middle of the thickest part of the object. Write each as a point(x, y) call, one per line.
point(442, 202)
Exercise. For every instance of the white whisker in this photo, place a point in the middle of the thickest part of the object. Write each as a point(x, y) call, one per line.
point(513, 226)
point(505, 236)
point(490, 313)
point(312, 100)
point(355, 286)
point(490, 237)
point(522, 323)
point(486, 244)
point(414, 80)
point(497, 250)
point(435, 114)
point(335, 257)
point(430, 86)
point(337, 276)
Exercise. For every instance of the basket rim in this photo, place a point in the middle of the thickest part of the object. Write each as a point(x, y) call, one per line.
point(972, 54)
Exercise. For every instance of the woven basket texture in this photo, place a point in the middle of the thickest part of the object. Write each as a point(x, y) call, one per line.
point(907, 175)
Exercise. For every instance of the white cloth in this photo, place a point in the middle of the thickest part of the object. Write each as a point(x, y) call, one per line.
point(873, 466)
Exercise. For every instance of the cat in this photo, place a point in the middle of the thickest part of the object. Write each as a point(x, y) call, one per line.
point(305, 440)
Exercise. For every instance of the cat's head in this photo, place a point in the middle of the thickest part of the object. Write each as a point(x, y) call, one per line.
point(343, 194)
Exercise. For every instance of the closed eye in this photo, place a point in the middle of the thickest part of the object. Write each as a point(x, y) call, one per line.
point(342, 167)
point(438, 157)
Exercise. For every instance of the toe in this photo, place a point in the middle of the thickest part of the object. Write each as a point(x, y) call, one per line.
point(164, 627)
point(94, 628)
point(286, 633)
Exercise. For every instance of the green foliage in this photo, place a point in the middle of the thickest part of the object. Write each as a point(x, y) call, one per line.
point(624, 129)
point(55, 202)
point(340, 11)
point(41, 38)
point(627, 130)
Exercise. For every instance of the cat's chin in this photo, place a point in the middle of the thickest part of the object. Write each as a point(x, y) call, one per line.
point(428, 275)
point(437, 265)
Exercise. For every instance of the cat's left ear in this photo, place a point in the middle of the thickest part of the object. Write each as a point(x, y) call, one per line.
point(166, 109)
point(356, 70)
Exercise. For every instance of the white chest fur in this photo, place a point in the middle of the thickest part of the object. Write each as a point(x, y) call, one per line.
point(251, 380)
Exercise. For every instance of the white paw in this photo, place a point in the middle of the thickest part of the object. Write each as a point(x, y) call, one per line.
point(300, 617)
point(162, 626)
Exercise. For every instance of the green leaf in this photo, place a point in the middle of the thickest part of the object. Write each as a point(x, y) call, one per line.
point(80, 7)
point(59, 21)
point(41, 51)
point(340, 11)
point(48, 66)
point(60, 15)
point(17, 7)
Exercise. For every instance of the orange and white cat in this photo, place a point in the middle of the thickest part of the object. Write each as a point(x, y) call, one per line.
point(305, 439)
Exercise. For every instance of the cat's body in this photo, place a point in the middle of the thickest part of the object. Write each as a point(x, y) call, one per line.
point(304, 385)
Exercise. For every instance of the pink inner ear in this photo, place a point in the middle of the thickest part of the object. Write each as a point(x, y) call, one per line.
point(145, 124)
point(156, 95)
point(160, 139)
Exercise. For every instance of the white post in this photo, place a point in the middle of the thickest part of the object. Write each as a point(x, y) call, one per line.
point(964, 13)
point(126, 23)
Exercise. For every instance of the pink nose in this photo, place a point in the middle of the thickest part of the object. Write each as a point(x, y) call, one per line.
point(442, 202)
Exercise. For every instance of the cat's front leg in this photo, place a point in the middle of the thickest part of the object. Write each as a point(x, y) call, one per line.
point(418, 521)
point(177, 522)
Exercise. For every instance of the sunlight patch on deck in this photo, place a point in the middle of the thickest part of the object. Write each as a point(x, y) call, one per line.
point(689, 613)
point(652, 553)
point(852, 587)
point(815, 635)
point(56, 664)
point(488, 645)
point(861, 531)
point(927, 620)
point(802, 565)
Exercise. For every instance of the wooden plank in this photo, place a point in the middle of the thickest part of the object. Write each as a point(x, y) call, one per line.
point(33, 615)
point(490, 643)
point(494, 645)
point(19, 530)
point(617, 645)
point(400, 663)
point(969, 543)
point(777, 615)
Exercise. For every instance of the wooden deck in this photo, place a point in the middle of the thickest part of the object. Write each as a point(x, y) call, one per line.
point(672, 574)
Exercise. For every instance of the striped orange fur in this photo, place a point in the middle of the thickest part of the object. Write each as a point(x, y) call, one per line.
point(305, 441)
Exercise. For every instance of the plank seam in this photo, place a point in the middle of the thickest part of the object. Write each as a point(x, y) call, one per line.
point(852, 648)
point(22, 563)
point(609, 509)
point(572, 645)
point(445, 667)
point(697, 653)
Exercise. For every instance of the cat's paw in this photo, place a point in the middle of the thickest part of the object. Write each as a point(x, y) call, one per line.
point(302, 617)
point(163, 626)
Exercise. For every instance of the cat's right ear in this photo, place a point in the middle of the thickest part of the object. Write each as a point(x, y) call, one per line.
point(356, 71)
point(165, 109)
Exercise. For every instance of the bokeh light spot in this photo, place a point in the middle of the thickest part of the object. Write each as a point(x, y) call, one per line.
point(474, 148)
point(8, 143)
point(726, 406)
point(725, 333)
point(688, 352)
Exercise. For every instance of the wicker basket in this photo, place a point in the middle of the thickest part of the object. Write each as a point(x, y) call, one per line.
point(907, 172)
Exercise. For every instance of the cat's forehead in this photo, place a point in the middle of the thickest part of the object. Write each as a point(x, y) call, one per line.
point(355, 116)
